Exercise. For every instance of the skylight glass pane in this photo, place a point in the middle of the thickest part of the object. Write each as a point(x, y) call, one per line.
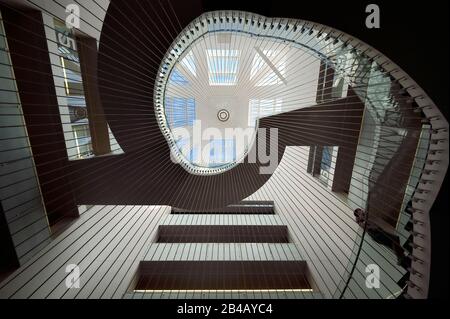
point(222, 151)
point(184, 146)
point(222, 79)
point(216, 152)
point(222, 66)
point(180, 111)
point(230, 151)
point(194, 155)
point(177, 78)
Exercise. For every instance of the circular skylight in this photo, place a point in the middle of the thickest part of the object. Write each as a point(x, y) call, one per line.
point(221, 75)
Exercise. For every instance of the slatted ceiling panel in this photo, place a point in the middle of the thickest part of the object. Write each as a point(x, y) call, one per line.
point(266, 251)
point(244, 253)
point(110, 257)
point(190, 219)
point(207, 252)
point(178, 250)
point(95, 254)
point(285, 253)
point(21, 276)
point(238, 252)
point(153, 250)
point(226, 251)
point(172, 253)
point(126, 266)
point(221, 251)
point(189, 251)
point(237, 212)
point(256, 251)
point(225, 219)
point(198, 252)
point(183, 219)
point(275, 254)
point(143, 225)
point(166, 251)
point(185, 250)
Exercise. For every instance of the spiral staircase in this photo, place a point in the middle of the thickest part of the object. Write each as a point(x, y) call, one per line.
point(142, 226)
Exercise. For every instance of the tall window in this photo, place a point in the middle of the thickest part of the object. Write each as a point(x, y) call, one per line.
point(188, 151)
point(82, 140)
point(326, 158)
point(222, 66)
point(325, 165)
point(262, 108)
point(73, 86)
point(79, 144)
point(180, 111)
point(222, 151)
point(177, 78)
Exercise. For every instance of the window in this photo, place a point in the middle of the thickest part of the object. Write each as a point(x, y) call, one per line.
point(262, 108)
point(326, 158)
point(268, 76)
point(82, 140)
point(73, 81)
point(177, 78)
point(180, 111)
point(74, 105)
point(326, 171)
point(189, 152)
point(222, 66)
point(222, 151)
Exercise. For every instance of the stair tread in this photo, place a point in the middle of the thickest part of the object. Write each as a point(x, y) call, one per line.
point(223, 251)
point(222, 219)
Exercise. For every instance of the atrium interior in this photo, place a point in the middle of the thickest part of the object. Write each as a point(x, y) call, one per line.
point(157, 151)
